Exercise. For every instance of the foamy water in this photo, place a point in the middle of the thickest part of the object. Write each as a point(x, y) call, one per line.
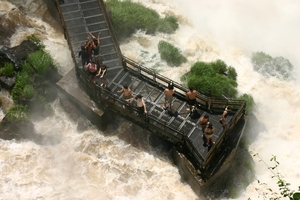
point(231, 31)
point(121, 164)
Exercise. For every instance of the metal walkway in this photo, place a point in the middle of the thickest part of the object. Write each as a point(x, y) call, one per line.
point(80, 16)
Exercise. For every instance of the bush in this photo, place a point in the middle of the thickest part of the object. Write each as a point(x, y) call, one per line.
point(127, 17)
point(17, 113)
point(27, 68)
point(27, 91)
point(36, 41)
point(23, 79)
point(219, 66)
point(168, 25)
point(211, 79)
point(250, 104)
point(284, 187)
point(232, 73)
point(278, 67)
point(41, 61)
point(170, 54)
point(7, 70)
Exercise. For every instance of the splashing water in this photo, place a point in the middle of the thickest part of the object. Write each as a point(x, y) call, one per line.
point(94, 165)
point(232, 31)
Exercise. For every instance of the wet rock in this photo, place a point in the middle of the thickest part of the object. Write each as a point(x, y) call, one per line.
point(16, 130)
point(6, 103)
point(17, 54)
point(24, 130)
point(7, 82)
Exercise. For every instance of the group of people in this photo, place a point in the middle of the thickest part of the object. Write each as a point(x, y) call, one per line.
point(128, 96)
point(190, 95)
point(208, 129)
point(168, 99)
point(91, 60)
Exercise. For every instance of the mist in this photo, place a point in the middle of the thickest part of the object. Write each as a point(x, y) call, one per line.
point(91, 165)
point(232, 31)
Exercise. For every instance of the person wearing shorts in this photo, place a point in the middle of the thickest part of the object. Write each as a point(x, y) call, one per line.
point(169, 91)
point(191, 98)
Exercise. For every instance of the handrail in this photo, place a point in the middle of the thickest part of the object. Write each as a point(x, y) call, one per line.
point(110, 27)
point(100, 92)
point(212, 103)
point(233, 121)
point(66, 33)
point(102, 96)
point(200, 98)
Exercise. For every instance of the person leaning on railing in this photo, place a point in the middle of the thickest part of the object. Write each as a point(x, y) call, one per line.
point(224, 116)
point(169, 92)
point(191, 97)
point(141, 106)
point(101, 74)
point(92, 68)
point(127, 93)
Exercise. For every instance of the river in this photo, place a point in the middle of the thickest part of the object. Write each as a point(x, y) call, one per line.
point(120, 163)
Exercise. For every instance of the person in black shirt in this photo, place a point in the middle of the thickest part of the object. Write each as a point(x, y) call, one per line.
point(101, 74)
point(83, 53)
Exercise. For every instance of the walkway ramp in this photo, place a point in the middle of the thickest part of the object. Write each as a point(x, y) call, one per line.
point(80, 16)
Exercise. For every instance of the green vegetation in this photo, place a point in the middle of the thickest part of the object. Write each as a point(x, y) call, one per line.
point(170, 54)
point(233, 192)
point(36, 41)
point(211, 79)
point(37, 66)
point(284, 186)
point(278, 67)
point(17, 113)
point(127, 17)
point(40, 61)
point(23, 79)
point(7, 70)
point(250, 104)
point(28, 91)
point(168, 25)
point(216, 79)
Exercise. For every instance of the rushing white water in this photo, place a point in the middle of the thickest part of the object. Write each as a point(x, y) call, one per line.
point(231, 31)
point(121, 164)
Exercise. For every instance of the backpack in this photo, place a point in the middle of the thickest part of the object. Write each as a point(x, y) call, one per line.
point(194, 114)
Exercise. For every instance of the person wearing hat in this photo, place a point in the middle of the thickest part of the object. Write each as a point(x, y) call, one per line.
point(140, 103)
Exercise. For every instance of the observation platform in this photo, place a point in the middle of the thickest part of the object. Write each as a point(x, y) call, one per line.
point(80, 16)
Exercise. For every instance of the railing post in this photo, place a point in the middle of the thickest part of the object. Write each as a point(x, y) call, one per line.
point(139, 68)
point(154, 76)
point(124, 62)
